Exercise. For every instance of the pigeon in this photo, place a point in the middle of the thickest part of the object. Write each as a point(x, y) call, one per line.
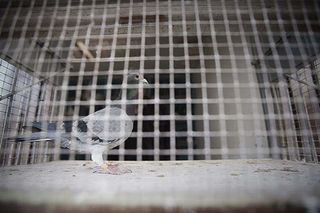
point(99, 131)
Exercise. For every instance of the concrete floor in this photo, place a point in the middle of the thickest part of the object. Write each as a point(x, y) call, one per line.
point(167, 185)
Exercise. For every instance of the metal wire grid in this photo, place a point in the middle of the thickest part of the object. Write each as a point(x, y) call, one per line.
point(218, 72)
point(306, 93)
point(7, 76)
point(12, 79)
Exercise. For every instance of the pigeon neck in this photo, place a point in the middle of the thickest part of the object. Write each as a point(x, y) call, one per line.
point(132, 94)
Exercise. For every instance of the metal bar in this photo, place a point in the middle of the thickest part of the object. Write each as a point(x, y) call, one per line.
point(303, 82)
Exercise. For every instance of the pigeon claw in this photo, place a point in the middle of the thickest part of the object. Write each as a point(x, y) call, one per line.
point(113, 169)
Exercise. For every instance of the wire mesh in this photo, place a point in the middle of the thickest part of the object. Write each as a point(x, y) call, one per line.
point(228, 79)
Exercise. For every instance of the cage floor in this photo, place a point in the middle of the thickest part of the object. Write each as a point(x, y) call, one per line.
point(169, 184)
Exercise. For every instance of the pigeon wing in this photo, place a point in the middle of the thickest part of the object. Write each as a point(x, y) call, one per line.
point(109, 125)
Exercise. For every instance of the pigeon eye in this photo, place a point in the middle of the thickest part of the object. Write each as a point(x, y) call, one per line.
point(136, 77)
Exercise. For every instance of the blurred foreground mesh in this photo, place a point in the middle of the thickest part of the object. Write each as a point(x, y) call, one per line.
point(228, 79)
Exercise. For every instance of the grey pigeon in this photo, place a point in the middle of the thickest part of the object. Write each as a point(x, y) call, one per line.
point(99, 131)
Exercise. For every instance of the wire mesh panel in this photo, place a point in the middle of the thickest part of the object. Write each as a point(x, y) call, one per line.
point(227, 79)
point(228, 87)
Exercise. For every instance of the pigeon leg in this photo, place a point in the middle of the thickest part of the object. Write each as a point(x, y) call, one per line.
point(96, 156)
point(107, 168)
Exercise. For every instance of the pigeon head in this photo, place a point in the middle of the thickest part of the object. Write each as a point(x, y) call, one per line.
point(136, 78)
point(133, 89)
point(133, 81)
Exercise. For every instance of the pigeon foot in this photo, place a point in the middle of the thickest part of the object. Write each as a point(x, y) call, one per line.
point(112, 169)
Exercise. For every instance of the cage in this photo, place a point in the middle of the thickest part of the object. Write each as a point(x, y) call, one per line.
point(230, 120)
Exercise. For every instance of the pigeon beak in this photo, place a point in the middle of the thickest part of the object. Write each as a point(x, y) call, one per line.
point(145, 82)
